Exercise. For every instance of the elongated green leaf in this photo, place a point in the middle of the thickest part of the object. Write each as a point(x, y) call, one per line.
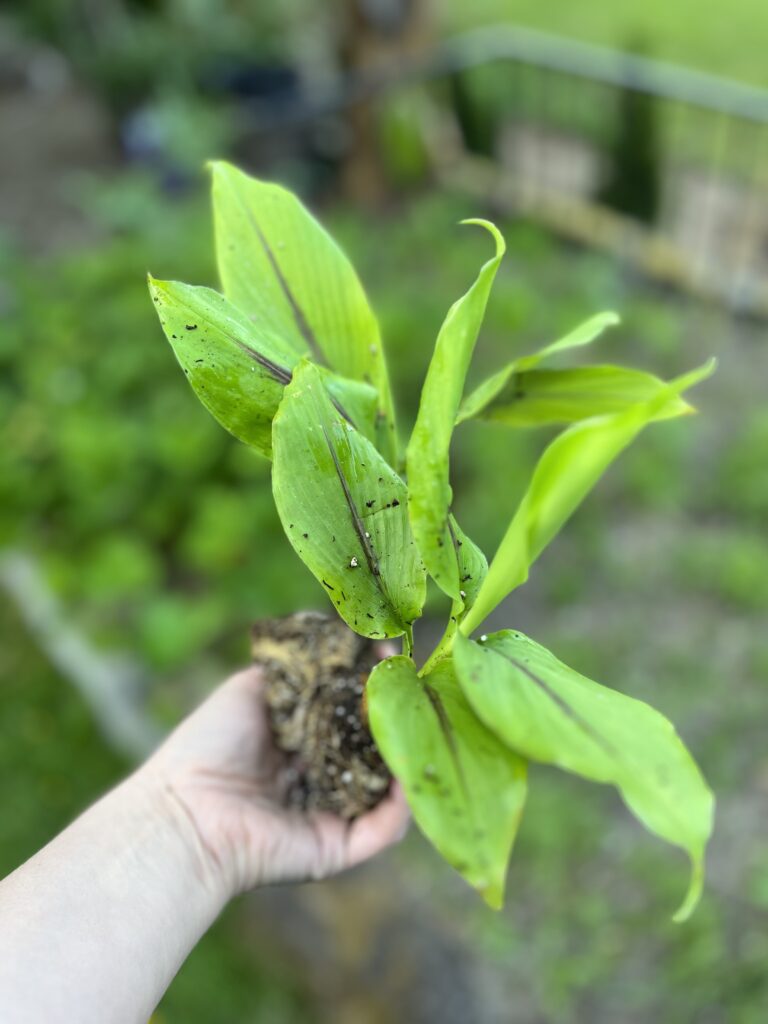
point(533, 398)
point(429, 489)
point(493, 386)
point(279, 266)
point(465, 788)
point(544, 710)
point(565, 474)
point(239, 370)
point(344, 511)
point(584, 334)
point(473, 568)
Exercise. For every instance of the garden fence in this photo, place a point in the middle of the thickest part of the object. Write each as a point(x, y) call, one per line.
point(664, 166)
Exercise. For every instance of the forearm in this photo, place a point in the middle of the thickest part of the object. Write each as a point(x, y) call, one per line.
point(95, 926)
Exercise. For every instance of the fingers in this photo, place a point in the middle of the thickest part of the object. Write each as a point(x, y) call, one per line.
point(250, 679)
point(385, 825)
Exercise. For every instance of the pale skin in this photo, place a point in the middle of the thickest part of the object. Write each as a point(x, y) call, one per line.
point(94, 927)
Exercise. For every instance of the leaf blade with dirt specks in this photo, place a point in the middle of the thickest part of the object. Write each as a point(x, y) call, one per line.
point(472, 564)
point(238, 371)
point(551, 714)
point(533, 398)
point(344, 511)
point(570, 466)
point(465, 788)
point(429, 489)
point(279, 266)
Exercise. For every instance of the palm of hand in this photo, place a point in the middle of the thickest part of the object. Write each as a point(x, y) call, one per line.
point(222, 771)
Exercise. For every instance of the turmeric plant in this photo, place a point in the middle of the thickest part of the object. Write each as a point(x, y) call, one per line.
point(288, 358)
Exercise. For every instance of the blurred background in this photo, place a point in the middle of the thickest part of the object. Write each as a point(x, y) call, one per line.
point(623, 149)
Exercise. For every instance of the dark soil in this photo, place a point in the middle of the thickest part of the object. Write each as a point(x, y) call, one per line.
point(316, 669)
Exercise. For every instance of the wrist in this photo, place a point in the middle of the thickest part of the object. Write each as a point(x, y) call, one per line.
point(168, 835)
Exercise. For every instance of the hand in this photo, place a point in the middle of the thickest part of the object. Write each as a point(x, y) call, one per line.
point(220, 773)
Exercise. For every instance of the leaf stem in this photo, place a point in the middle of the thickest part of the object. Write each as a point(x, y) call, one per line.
point(408, 641)
point(446, 640)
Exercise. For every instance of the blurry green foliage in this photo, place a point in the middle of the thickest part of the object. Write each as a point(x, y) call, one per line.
point(742, 486)
point(113, 475)
point(729, 563)
point(44, 726)
point(222, 981)
point(132, 51)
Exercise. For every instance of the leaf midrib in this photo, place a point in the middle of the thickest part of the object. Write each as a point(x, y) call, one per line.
point(359, 528)
point(568, 710)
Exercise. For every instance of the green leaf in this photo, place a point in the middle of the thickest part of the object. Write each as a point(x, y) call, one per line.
point(549, 713)
point(533, 398)
point(355, 401)
point(465, 788)
point(239, 370)
point(584, 334)
point(491, 388)
point(344, 511)
point(429, 489)
point(279, 266)
point(472, 563)
point(570, 466)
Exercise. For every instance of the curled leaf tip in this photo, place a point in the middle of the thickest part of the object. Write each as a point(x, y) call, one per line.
point(693, 895)
point(501, 245)
point(694, 377)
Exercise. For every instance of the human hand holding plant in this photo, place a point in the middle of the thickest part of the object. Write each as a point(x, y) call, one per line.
point(96, 924)
point(222, 771)
point(289, 360)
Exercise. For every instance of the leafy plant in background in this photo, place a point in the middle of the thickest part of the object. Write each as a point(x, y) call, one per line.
point(289, 360)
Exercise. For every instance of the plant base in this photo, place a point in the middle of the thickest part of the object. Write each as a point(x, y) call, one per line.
point(315, 672)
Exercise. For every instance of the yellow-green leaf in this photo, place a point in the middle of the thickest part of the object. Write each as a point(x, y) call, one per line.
point(549, 713)
point(584, 334)
point(429, 489)
point(533, 398)
point(569, 468)
point(466, 789)
point(491, 388)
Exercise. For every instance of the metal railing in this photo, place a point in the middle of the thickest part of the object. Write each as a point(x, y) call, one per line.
point(557, 106)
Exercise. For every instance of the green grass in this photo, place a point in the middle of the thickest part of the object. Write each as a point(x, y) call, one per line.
point(727, 41)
